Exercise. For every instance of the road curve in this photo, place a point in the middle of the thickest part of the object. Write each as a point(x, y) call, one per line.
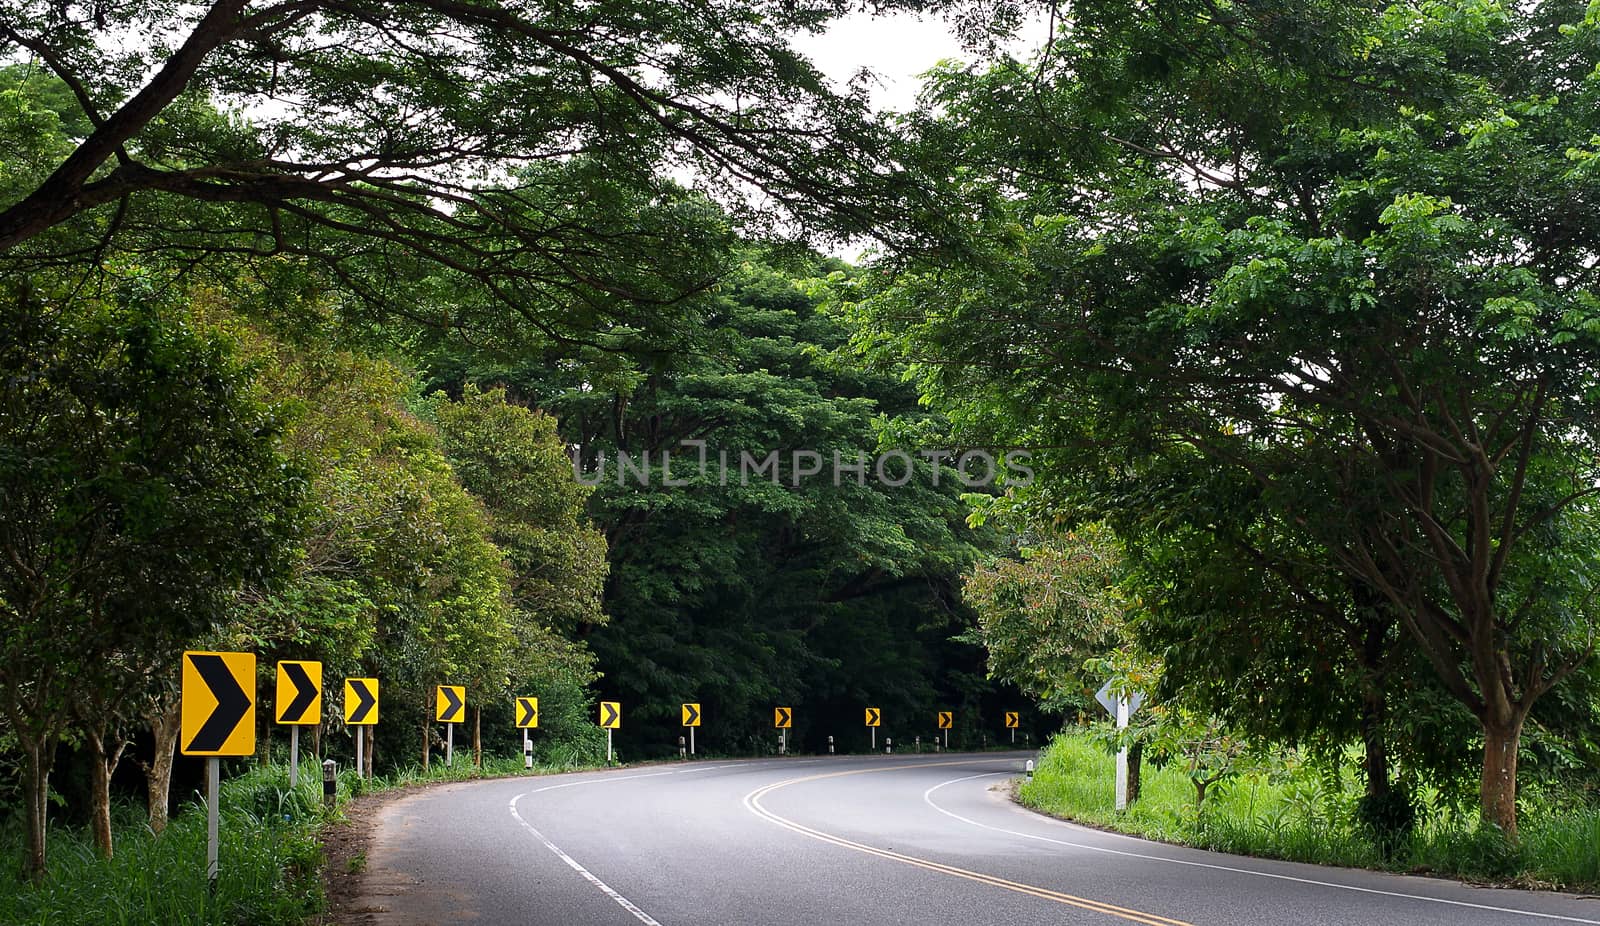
point(926, 839)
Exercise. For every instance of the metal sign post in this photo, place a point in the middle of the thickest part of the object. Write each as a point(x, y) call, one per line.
point(1121, 707)
point(611, 719)
point(299, 703)
point(691, 719)
point(450, 708)
point(361, 766)
point(218, 718)
point(1122, 756)
point(213, 813)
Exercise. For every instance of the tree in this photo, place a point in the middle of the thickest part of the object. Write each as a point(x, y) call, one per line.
point(142, 484)
point(513, 460)
point(743, 592)
point(1045, 613)
point(1345, 253)
point(488, 140)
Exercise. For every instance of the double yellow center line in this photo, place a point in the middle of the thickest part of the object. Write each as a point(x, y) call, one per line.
point(752, 801)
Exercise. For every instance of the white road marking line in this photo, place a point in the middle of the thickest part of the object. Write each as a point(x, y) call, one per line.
point(589, 876)
point(927, 797)
point(752, 802)
point(573, 863)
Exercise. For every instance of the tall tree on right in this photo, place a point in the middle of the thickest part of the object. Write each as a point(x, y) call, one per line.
point(1346, 251)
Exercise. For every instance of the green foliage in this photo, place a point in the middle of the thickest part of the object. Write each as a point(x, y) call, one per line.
point(270, 867)
point(746, 593)
point(1285, 807)
point(1044, 614)
point(513, 461)
point(1314, 287)
point(144, 484)
point(521, 153)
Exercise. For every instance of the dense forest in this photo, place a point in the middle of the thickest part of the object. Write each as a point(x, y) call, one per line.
point(421, 340)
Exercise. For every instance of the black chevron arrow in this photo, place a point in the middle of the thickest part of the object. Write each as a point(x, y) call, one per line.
point(232, 703)
point(304, 693)
point(526, 712)
point(693, 715)
point(365, 701)
point(456, 703)
point(608, 715)
point(783, 716)
point(872, 717)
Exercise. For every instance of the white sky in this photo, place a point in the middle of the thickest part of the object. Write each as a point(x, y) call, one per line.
point(896, 48)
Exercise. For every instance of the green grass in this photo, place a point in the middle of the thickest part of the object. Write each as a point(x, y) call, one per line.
point(269, 859)
point(270, 856)
point(1291, 810)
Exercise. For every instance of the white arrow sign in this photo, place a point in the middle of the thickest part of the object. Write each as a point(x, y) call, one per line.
point(1107, 701)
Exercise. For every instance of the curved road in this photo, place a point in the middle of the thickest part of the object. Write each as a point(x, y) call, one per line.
point(849, 840)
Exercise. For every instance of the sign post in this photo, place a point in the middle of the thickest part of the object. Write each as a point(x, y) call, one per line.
point(1121, 707)
point(527, 715)
point(450, 708)
point(610, 719)
point(874, 720)
point(217, 718)
point(1013, 720)
point(299, 703)
point(783, 718)
point(360, 710)
point(691, 719)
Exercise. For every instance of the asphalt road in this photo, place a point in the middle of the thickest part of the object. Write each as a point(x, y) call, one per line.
point(849, 840)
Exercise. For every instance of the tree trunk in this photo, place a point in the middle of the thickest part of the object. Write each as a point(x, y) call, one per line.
point(1135, 764)
point(164, 725)
point(477, 737)
point(103, 763)
point(371, 734)
point(427, 745)
point(36, 787)
point(1497, 790)
point(1377, 758)
point(1200, 786)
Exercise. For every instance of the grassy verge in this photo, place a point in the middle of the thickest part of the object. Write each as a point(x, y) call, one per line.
point(270, 855)
point(1295, 812)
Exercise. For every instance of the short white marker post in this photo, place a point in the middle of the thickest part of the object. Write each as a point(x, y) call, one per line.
point(830, 745)
point(213, 800)
point(294, 755)
point(1122, 756)
point(330, 784)
point(683, 750)
point(1029, 768)
point(888, 746)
